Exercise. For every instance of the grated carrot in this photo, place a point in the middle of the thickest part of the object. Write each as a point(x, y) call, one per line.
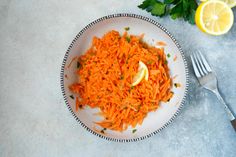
point(77, 103)
point(105, 77)
point(160, 43)
point(73, 59)
point(175, 58)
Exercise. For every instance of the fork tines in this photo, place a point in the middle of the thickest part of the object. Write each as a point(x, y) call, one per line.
point(200, 65)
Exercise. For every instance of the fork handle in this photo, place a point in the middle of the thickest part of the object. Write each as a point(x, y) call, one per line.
point(227, 109)
point(233, 122)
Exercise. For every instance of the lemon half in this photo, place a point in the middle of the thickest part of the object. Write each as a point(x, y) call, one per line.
point(214, 17)
point(230, 3)
point(142, 73)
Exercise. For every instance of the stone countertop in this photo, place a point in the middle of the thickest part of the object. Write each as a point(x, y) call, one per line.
point(34, 120)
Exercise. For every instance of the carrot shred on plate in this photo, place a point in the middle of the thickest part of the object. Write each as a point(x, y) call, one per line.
point(105, 79)
point(77, 103)
point(160, 43)
point(175, 58)
point(73, 59)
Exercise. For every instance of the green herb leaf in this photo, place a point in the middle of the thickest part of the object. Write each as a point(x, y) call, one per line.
point(128, 39)
point(168, 55)
point(193, 4)
point(134, 130)
point(177, 11)
point(168, 1)
point(145, 4)
point(72, 97)
point(103, 130)
point(175, 8)
point(185, 9)
point(149, 62)
point(177, 85)
point(78, 65)
point(127, 28)
point(186, 5)
point(159, 9)
point(191, 17)
point(171, 1)
point(166, 62)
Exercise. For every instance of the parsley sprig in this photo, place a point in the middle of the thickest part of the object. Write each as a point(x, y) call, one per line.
point(175, 8)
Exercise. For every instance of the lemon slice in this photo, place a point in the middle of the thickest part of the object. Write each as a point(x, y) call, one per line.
point(230, 3)
point(143, 66)
point(142, 73)
point(214, 17)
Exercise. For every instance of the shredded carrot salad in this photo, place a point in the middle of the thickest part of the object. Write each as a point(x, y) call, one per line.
point(105, 76)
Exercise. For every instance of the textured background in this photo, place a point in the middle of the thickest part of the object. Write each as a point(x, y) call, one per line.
point(34, 120)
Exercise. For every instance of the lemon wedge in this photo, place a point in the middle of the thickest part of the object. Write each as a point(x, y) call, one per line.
point(214, 17)
point(143, 66)
point(142, 73)
point(230, 3)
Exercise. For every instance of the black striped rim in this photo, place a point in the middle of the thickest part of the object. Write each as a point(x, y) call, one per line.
point(141, 18)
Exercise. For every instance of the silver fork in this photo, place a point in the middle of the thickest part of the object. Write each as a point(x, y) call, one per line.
point(208, 80)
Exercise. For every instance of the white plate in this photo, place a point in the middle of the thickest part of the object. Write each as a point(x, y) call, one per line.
point(155, 121)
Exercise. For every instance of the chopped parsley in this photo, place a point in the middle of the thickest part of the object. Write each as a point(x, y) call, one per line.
point(168, 55)
point(176, 85)
point(128, 39)
point(78, 65)
point(149, 62)
point(72, 97)
point(134, 130)
point(127, 28)
point(104, 129)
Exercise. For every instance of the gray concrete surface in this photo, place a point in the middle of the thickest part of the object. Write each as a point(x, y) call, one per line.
point(34, 121)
